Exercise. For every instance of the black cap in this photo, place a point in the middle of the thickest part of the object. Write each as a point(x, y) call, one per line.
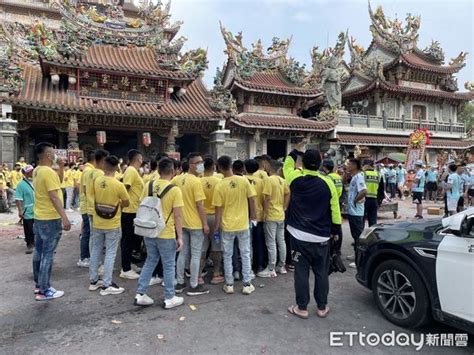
point(312, 159)
point(328, 163)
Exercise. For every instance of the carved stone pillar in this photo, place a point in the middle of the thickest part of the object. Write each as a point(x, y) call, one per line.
point(171, 139)
point(8, 135)
point(218, 139)
point(72, 133)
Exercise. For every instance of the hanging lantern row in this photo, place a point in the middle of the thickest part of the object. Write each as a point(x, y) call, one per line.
point(146, 139)
point(101, 137)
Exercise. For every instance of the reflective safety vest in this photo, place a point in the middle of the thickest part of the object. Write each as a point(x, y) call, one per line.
point(372, 179)
point(337, 180)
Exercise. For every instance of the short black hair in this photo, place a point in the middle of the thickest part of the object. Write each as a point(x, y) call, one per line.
point(251, 166)
point(153, 165)
point(185, 166)
point(209, 163)
point(328, 164)
point(111, 161)
point(275, 165)
point(453, 167)
point(132, 154)
point(72, 165)
point(165, 166)
point(100, 154)
point(356, 162)
point(312, 159)
point(238, 167)
point(160, 156)
point(90, 156)
point(266, 157)
point(193, 155)
point(40, 148)
point(177, 164)
point(224, 163)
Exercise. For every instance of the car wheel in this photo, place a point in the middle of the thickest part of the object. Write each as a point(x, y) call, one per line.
point(400, 294)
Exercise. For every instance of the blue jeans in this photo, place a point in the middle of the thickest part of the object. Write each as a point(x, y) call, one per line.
point(243, 238)
point(193, 240)
point(111, 239)
point(47, 235)
point(275, 235)
point(85, 237)
point(157, 248)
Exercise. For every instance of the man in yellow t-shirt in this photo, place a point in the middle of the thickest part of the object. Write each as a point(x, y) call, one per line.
point(68, 184)
point(234, 199)
point(169, 241)
point(260, 257)
point(195, 226)
point(86, 226)
point(16, 176)
point(106, 191)
point(134, 185)
point(22, 162)
point(276, 198)
point(209, 182)
point(78, 168)
point(263, 163)
point(50, 220)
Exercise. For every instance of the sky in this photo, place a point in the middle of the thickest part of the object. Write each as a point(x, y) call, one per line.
point(318, 22)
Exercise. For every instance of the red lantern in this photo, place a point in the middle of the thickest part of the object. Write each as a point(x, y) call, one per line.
point(146, 139)
point(101, 137)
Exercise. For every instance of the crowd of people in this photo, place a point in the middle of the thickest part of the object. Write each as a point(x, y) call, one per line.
point(236, 220)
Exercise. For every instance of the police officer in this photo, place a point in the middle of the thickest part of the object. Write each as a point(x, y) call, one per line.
point(372, 180)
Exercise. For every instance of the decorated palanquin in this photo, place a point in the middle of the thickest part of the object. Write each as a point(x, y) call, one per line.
point(103, 71)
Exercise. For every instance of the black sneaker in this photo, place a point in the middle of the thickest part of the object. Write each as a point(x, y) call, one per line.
point(29, 249)
point(179, 288)
point(198, 290)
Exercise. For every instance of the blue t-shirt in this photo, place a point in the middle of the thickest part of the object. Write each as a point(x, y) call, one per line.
point(455, 181)
point(420, 185)
point(391, 176)
point(26, 194)
point(357, 185)
point(401, 175)
point(432, 176)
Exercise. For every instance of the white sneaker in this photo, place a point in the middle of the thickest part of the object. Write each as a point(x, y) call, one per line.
point(135, 268)
point(113, 289)
point(281, 270)
point(94, 286)
point(83, 262)
point(267, 273)
point(229, 289)
point(174, 302)
point(353, 265)
point(143, 300)
point(155, 281)
point(247, 290)
point(236, 275)
point(129, 275)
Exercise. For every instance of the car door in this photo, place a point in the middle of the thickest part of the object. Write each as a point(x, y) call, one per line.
point(455, 274)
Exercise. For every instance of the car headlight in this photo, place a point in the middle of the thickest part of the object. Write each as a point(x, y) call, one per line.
point(367, 232)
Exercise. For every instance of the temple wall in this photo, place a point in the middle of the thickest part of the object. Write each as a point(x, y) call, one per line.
point(390, 107)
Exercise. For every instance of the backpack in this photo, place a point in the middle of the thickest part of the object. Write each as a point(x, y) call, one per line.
point(150, 221)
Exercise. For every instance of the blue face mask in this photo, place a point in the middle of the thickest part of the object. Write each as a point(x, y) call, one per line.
point(200, 168)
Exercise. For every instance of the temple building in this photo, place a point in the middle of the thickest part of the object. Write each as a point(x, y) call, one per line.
point(102, 74)
point(395, 87)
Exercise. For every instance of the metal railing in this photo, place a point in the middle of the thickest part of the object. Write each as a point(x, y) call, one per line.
point(396, 123)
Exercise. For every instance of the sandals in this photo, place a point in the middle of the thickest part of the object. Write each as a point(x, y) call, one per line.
point(322, 313)
point(294, 309)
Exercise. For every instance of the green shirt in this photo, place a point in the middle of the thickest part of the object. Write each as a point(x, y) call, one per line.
point(25, 193)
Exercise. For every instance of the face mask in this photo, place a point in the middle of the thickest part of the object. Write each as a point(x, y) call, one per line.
point(55, 158)
point(200, 168)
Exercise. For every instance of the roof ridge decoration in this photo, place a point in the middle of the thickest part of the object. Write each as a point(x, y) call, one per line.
point(249, 62)
point(434, 51)
point(392, 33)
point(220, 98)
point(11, 78)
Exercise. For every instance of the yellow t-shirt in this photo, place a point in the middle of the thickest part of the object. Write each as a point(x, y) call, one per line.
point(172, 199)
point(46, 179)
point(132, 178)
point(257, 184)
point(219, 175)
point(108, 191)
point(15, 178)
point(193, 192)
point(77, 177)
point(262, 174)
point(92, 175)
point(22, 165)
point(208, 185)
point(68, 179)
point(152, 176)
point(119, 176)
point(3, 180)
point(232, 194)
point(82, 188)
point(276, 188)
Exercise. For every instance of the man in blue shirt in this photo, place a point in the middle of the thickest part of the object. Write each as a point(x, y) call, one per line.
point(25, 200)
point(392, 181)
point(355, 202)
point(431, 184)
point(418, 188)
point(401, 179)
point(453, 188)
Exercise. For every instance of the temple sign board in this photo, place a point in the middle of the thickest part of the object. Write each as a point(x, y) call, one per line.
point(419, 139)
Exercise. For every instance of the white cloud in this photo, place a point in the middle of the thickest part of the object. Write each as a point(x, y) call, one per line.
point(302, 16)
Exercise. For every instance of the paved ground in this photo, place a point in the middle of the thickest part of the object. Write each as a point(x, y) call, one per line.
point(85, 322)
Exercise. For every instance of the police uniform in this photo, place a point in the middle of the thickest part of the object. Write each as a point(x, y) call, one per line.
point(372, 180)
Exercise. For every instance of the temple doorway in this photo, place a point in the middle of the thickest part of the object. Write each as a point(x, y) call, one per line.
point(120, 142)
point(276, 148)
point(189, 143)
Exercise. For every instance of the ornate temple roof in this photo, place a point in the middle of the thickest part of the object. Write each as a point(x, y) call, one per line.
point(397, 141)
point(281, 122)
